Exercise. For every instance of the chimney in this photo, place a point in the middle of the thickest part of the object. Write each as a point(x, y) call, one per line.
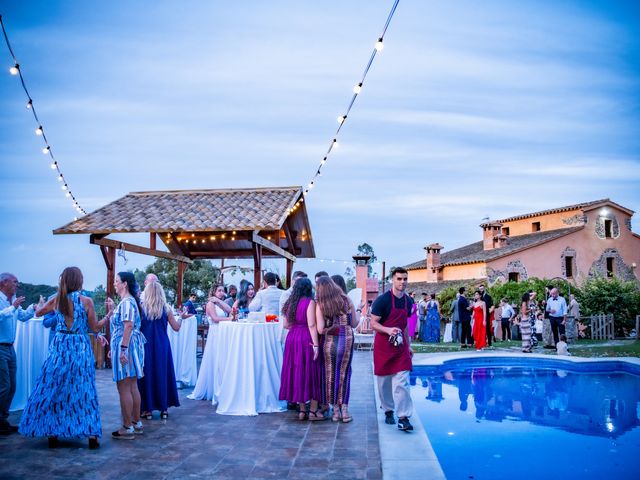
point(362, 273)
point(490, 230)
point(501, 240)
point(434, 273)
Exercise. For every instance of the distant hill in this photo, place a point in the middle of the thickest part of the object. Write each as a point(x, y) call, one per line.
point(33, 292)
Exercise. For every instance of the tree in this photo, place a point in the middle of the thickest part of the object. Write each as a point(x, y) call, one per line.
point(350, 279)
point(32, 292)
point(366, 249)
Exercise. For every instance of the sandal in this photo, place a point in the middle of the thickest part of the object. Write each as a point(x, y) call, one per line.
point(346, 418)
point(337, 414)
point(164, 415)
point(316, 416)
point(302, 416)
point(125, 433)
point(146, 415)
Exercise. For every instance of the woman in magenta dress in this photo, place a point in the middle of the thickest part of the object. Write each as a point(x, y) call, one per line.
point(301, 378)
point(479, 322)
point(412, 321)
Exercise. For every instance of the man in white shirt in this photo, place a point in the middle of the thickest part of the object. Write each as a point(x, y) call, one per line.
point(267, 299)
point(557, 310)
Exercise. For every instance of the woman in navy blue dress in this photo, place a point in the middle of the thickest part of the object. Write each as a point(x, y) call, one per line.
point(157, 387)
point(64, 403)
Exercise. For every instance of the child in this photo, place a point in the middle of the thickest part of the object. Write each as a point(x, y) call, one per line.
point(561, 346)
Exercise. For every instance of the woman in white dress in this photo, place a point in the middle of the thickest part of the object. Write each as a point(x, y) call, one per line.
point(216, 311)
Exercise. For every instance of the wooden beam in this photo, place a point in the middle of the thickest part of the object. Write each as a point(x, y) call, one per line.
point(152, 240)
point(137, 249)
point(256, 238)
point(179, 284)
point(289, 236)
point(257, 265)
point(289, 272)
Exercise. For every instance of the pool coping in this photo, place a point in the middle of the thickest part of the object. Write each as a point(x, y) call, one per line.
point(402, 455)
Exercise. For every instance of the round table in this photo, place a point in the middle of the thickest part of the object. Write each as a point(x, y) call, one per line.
point(183, 350)
point(32, 348)
point(248, 362)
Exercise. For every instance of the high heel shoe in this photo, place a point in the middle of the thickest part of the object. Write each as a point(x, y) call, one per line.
point(93, 443)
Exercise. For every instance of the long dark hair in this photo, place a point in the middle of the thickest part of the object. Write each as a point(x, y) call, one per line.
point(301, 289)
point(70, 281)
point(243, 299)
point(132, 287)
point(339, 280)
point(332, 300)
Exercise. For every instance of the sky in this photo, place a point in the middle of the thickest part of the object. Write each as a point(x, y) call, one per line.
point(472, 110)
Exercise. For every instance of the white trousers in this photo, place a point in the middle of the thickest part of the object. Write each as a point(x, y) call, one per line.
point(393, 391)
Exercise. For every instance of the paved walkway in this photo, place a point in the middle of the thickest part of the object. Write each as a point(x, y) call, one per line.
point(197, 443)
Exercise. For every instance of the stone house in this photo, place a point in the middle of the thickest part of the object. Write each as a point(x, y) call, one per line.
point(573, 242)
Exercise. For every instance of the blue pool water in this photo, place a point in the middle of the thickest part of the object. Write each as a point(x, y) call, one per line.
point(531, 418)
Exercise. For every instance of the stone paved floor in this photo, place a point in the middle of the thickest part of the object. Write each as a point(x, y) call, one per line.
point(197, 443)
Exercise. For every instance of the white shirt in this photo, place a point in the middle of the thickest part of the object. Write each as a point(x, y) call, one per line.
point(267, 301)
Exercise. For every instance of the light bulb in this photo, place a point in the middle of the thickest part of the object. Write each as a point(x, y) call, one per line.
point(379, 44)
point(29, 104)
point(335, 143)
point(310, 185)
point(53, 165)
point(75, 218)
point(59, 178)
point(39, 130)
point(64, 187)
point(324, 160)
point(15, 70)
point(358, 88)
point(46, 149)
point(341, 119)
point(68, 194)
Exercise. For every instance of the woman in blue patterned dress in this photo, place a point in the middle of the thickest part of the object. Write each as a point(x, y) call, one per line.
point(64, 403)
point(431, 331)
point(127, 354)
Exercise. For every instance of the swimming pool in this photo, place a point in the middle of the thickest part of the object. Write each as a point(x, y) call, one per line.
point(494, 418)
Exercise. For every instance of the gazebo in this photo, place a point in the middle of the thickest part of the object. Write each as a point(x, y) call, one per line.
point(203, 224)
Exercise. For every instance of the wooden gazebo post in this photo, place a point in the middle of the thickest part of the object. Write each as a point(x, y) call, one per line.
point(179, 285)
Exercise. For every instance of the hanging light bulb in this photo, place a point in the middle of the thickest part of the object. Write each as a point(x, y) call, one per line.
point(39, 130)
point(341, 119)
point(29, 104)
point(358, 88)
point(15, 70)
point(324, 160)
point(310, 186)
point(59, 178)
point(68, 194)
point(64, 187)
point(54, 165)
point(335, 143)
point(379, 44)
point(46, 149)
point(75, 218)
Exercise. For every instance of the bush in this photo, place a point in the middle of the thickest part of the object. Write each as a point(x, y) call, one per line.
point(611, 295)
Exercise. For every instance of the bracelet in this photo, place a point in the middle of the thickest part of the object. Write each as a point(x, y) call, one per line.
point(359, 310)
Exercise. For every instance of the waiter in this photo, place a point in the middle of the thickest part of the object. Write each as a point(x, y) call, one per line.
point(392, 359)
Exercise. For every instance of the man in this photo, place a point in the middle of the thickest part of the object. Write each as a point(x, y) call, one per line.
point(486, 298)
point(232, 294)
point(574, 307)
point(557, 310)
point(267, 299)
point(321, 273)
point(466, 339)
point(422, 314)
point(189, 306)
point(150, 278)
point(455, 319)
point(392, 359)
point(287, 293)
point(10, 312)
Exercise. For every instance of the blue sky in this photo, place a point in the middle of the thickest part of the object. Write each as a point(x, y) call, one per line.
point(468, 112)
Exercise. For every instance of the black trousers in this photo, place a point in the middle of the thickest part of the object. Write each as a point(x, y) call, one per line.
point(506, 329)
point(465, 336)
point(556, 325)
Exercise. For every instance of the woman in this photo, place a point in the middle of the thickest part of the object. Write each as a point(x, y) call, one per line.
point(158, 389)
point(244, 298)
point(525, 323)
point(127, 354)
point(301, 377)
point(412, 321)
point(533, 315)
point(216, 311)
point(336, 318)
point(431, 330)
point(479, 321)
point(64, 402)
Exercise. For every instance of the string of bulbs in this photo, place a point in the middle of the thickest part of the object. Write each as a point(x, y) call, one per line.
point(17, 71)
point(379, 45)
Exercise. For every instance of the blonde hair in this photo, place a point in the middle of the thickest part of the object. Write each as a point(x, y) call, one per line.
point(155, 301)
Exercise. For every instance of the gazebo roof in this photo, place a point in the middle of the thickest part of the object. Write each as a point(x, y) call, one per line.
point(207, 223)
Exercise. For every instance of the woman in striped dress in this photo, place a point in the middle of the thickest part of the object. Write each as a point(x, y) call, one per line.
point(336, 318)
point(525, 324)
point(127, 354)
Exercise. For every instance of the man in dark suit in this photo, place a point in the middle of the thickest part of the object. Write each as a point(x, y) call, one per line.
point(466, 339)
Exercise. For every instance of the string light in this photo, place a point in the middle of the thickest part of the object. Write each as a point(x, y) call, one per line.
point(17, 71)
point(379, 45)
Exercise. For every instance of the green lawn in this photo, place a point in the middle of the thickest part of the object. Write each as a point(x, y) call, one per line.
point(582, 348)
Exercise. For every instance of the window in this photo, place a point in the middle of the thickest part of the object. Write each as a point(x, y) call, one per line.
point(535, 227)
point(608, 230)
point(513, 276)
point(568, 267)
point(610, 267)
point(505, 231)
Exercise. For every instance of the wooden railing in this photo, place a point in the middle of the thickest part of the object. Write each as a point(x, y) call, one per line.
point(602, 326)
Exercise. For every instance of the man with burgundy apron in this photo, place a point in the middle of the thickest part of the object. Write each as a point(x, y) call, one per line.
point(392, 360)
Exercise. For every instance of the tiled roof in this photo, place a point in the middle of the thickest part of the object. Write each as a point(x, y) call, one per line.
point(475, 252)
point(190, 211)
point(557, 210)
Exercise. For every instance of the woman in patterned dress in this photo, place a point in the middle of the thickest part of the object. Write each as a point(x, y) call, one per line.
point(525, 323)
point(336, 318)
point(64, 402)
point(127, 354)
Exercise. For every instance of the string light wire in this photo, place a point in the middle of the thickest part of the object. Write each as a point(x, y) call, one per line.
point(357, 89)
point(40, 131)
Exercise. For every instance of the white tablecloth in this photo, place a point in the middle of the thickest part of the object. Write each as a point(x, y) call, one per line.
point(32, 348)
point(248, 361)
point(183, 350)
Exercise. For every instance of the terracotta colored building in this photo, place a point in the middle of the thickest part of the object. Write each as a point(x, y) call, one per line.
point(573, 242)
